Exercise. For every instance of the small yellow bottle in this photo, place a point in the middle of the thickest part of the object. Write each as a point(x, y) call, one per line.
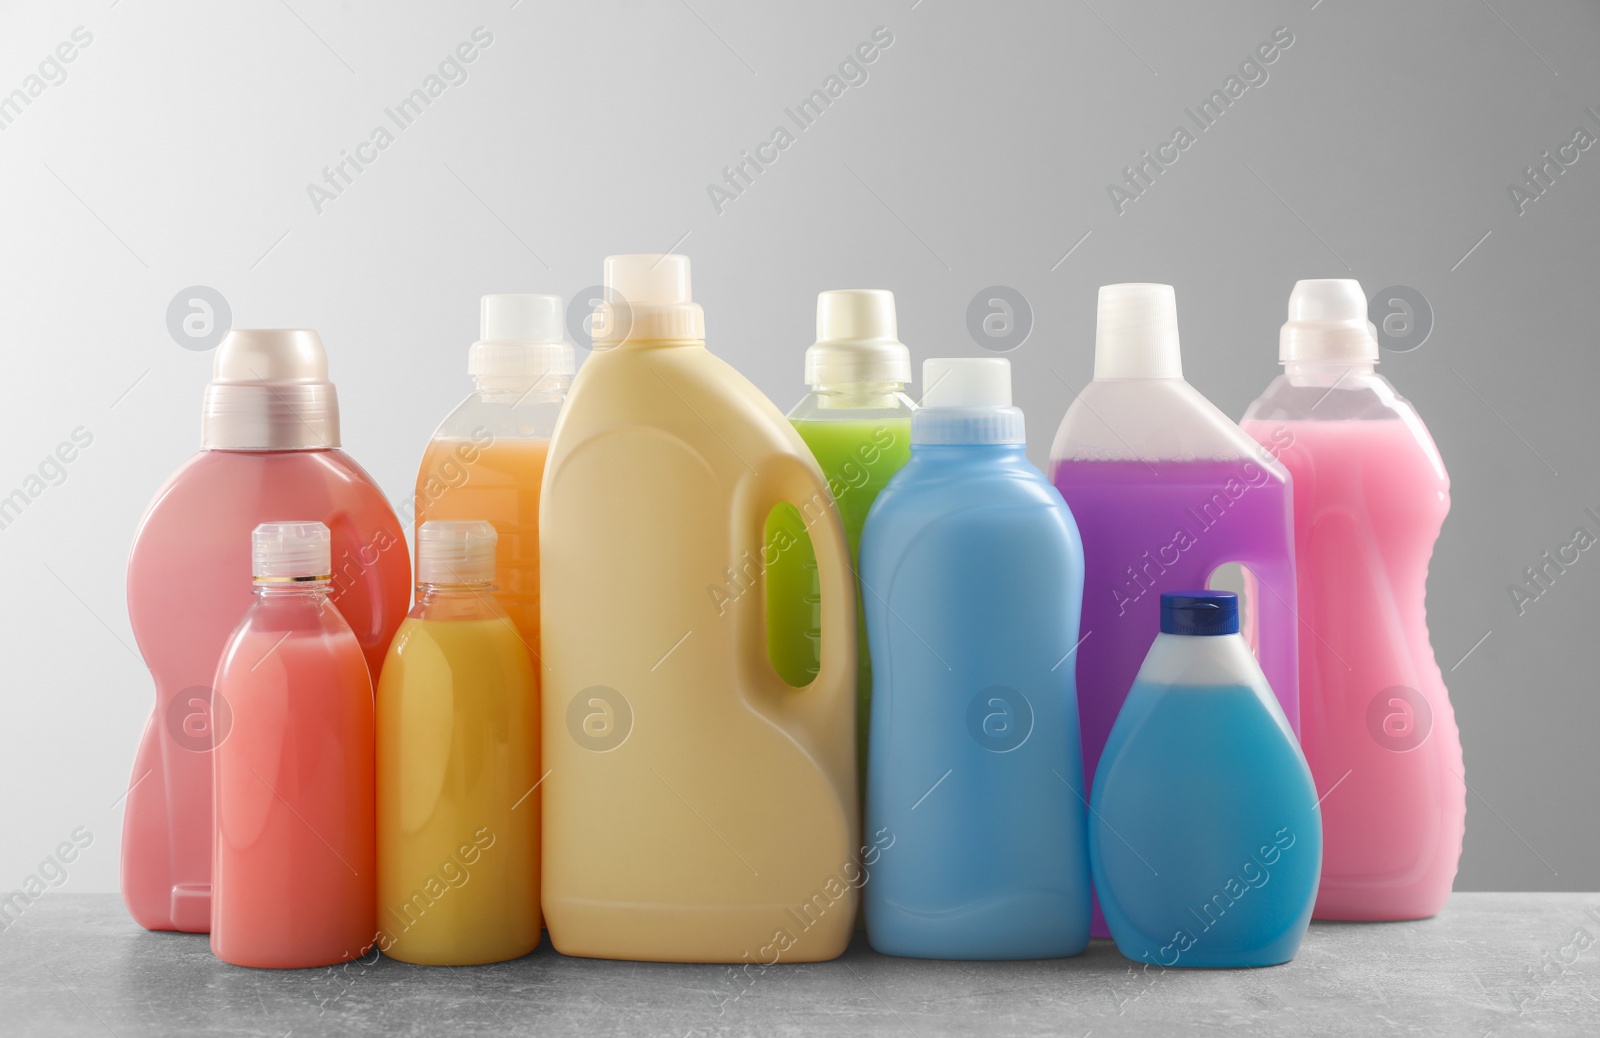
point(458, 760)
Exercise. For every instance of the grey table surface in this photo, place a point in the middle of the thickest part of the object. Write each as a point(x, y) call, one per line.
point(1498, 964)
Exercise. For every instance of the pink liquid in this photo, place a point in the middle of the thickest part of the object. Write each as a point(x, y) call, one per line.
point(1379, 732)
point(1166, 526)
point(188, 587)
point(296, 843)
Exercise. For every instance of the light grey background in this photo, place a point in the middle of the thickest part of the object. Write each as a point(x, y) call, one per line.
point(179, 147)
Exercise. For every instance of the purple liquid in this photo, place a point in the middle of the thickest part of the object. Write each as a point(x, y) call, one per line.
point(1167, 526)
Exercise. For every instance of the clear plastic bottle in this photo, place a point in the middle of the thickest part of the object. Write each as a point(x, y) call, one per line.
point(1370, 495)
point(857, 422)
point(486, 460)
point(458, 760)
point(294, 835)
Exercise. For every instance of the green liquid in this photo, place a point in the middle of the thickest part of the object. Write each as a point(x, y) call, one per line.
point(858, 456)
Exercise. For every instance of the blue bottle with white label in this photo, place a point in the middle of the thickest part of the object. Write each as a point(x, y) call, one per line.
point(1204, 833)
point(972, 582)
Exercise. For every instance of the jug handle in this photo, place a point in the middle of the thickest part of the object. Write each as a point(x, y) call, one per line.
point(826, 707)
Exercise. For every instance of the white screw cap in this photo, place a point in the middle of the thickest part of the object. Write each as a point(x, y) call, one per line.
point(1136, 332)
point(456, 552)
point(1328, 323)
point(966, 382)
point(857, 340)
point(290, 553)
point(521, 336)
point(648, 299)
point(967, 400)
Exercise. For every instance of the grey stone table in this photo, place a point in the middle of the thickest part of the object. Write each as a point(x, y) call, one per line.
point(1500, 964)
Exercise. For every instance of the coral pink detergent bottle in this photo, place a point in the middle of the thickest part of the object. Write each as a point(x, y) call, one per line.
point(296, 839)
point(1370, 494)
point(269, 450)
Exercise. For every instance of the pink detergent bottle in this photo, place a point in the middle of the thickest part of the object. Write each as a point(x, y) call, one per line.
point(1370, 494)
point(1165, 489)
point(296, 797)
point(269, 440)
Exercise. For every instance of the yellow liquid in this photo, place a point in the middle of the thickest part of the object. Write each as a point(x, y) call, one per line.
point(457, 757)
point(495, 480)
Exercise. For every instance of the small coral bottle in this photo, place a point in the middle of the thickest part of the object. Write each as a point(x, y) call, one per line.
point(458, 761)
point(293, 871)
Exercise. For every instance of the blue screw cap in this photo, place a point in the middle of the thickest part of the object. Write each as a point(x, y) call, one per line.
point(1199, 612)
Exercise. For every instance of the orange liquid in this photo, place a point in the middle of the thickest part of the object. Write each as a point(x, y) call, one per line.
point(463, 479)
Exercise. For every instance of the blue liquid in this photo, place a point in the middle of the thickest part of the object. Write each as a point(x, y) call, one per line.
point(1205, 836)
point(972, 575)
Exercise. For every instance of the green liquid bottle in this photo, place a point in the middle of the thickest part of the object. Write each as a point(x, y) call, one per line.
point(857, 422)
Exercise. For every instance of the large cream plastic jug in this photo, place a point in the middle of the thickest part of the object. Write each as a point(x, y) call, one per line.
point(696, 806)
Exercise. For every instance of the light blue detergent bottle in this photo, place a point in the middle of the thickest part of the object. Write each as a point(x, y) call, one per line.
point(1204, 831)
point(972, 581)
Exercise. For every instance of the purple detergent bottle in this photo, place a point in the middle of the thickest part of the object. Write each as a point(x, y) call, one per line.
point(1166, 490)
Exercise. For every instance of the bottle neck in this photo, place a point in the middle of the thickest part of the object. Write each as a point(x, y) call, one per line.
point(644, 344)
point(1326, 374)
point(857, 395)
point(952, 451)
point(1221, 660)
point(263, 416)
point(519, 389)
point(456, 602)
point(277, 589)
point(461, 591)
point(968, 426)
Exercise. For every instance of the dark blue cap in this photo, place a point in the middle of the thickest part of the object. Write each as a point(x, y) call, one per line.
point(1199, 612)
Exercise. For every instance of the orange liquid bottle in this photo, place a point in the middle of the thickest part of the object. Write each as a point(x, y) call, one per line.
point(294, 868)
point(486, 460)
